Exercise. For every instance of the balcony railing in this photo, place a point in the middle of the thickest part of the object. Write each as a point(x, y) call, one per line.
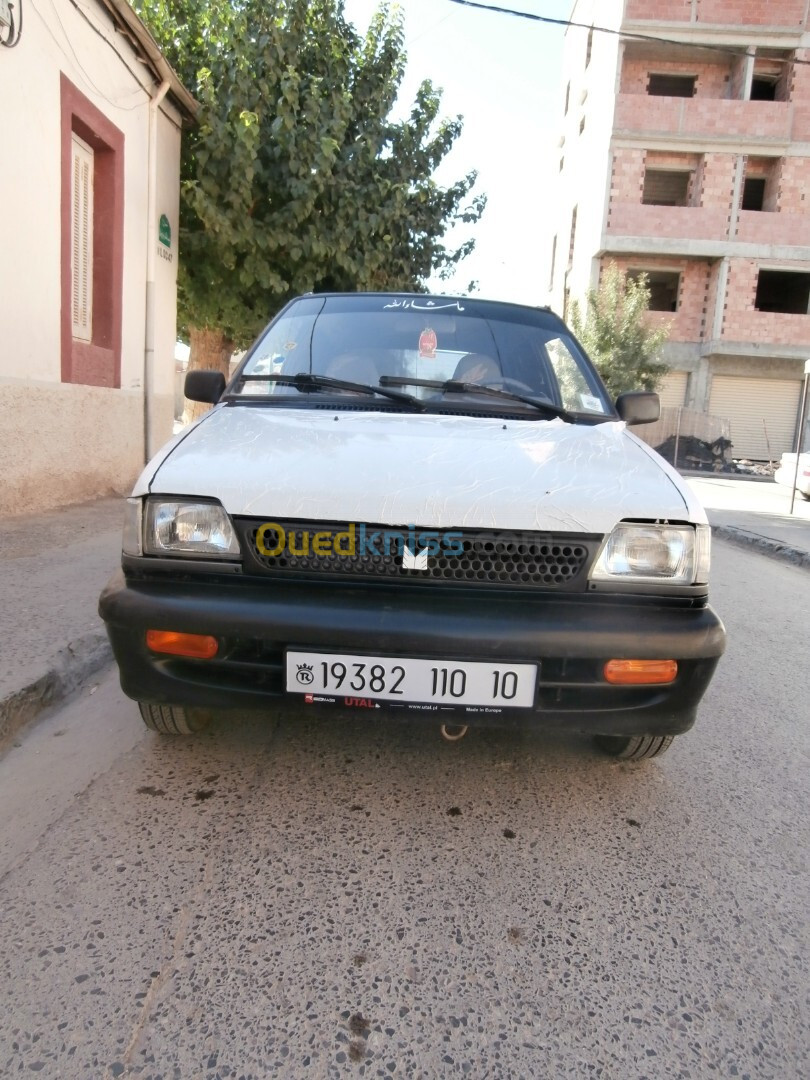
point(676, 222)
point(788, 13)
point(708, 223)
point(772, 328)
point(761, 227)
point(690, 118)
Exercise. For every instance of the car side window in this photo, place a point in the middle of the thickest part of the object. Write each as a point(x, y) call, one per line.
point(576, 394)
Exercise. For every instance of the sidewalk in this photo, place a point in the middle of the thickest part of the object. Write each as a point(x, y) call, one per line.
point(54, 565)
point(52, 568)
point(756, 514)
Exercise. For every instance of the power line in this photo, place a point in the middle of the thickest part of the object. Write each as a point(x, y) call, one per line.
point(727, 49)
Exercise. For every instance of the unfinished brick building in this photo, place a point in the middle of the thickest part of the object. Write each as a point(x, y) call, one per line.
point(685, 153)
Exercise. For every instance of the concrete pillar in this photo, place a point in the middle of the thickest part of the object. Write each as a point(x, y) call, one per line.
point(697, 394)
point(720, 300)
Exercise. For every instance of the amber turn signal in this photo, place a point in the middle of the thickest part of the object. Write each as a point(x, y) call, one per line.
point(200, 646)
point(638, 672)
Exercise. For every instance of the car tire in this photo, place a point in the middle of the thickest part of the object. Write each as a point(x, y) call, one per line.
point(171, 719)
point(634, 747)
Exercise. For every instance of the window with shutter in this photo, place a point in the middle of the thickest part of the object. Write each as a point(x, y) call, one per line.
point(92, 242)
point(82, 240)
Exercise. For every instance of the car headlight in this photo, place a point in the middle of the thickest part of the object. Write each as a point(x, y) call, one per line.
point(655, 554)
point(174, 527)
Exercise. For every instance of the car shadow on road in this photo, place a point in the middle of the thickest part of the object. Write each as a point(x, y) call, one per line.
point(352, 766)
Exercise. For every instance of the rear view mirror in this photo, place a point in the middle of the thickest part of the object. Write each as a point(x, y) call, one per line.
point(207, 386)
point(638, 407)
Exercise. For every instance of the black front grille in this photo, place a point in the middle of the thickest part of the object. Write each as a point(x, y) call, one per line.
point(495, 557)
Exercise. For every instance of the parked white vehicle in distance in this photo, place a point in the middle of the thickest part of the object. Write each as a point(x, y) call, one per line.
point(787, 470)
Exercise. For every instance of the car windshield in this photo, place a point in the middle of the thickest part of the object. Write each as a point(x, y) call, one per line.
point(379, 341)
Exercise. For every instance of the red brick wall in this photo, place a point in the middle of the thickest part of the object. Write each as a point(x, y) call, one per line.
point(717, 182)
point(724, 12)
point(792, 182)
point(687, 321)
point(712, 79)
point(627, 178)
point(755, 227)
point(709, 116)
point(671, 10)
point(741, 320)
point(800, 77)
point(674, 222)
point(750, 12)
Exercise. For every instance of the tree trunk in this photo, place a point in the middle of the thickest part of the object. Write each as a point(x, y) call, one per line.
point(210, 351)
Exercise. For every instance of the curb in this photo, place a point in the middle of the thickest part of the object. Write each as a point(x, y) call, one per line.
point(774, 548)
point(67, 671)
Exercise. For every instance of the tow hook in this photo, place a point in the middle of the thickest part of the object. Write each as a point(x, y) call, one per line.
point(453, 732)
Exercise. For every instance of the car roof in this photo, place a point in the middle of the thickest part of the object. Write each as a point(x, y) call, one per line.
point(474, 302)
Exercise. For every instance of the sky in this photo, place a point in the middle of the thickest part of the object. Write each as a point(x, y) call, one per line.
point(503, 75)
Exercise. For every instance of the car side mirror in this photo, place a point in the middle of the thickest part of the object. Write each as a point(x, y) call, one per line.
point(638, 407)
point(207, 386)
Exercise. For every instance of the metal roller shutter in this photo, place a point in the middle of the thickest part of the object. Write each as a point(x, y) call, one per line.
point(672, 390)
point(754, 406)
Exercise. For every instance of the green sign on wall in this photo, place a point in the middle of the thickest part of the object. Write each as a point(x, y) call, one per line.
point(165, 231)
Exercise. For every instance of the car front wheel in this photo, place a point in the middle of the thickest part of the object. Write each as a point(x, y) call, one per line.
point(171, 719)
point(634, 747)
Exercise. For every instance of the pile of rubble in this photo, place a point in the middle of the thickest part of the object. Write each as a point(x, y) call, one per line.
point(690, 452)
point(755, 468)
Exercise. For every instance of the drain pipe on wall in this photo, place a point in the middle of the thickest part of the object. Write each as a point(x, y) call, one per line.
point(151, 261)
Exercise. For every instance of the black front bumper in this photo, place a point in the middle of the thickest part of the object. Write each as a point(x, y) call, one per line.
point(569, 635)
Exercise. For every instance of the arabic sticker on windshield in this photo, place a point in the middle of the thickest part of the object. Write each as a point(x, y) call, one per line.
point(591, 403)
point(427, 344)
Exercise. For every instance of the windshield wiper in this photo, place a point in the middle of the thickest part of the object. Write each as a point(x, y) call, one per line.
point(308, 383)
point(452, 386)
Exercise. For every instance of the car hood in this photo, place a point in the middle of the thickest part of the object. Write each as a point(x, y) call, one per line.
point(439, 471)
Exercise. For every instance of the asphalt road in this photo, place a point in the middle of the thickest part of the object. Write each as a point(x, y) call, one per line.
point(302, 898)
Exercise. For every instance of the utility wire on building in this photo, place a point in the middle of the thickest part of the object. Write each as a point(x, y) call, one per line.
point(624, 34)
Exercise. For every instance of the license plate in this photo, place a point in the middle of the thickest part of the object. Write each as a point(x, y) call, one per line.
point(335, 677)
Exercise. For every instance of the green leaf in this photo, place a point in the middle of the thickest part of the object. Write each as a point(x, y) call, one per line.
point(296, 176)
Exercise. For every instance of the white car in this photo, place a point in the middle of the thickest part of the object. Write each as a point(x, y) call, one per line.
point(424, 506)
point(786, 473)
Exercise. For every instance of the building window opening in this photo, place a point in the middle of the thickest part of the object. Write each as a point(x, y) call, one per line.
point(582, 125)
point(553, 261)
point(672, 85)
point(786, 291)
point(763, 88)
point(753, 196)
point(664, 187)
point(664, 286)
point(589, 47)
point(567, 98)
point(772, 75)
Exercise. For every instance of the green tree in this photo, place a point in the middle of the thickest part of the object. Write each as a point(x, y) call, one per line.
point(296, 178)
point(615, 334)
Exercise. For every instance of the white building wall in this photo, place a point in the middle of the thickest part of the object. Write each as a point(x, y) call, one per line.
point(582, 181)
point(62, 442)
point(168, 203)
